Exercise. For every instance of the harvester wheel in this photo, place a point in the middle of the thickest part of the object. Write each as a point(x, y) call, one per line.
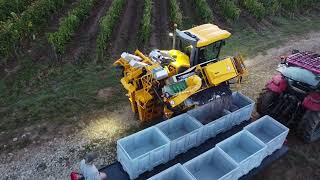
point(310, 126)
point(266, 101)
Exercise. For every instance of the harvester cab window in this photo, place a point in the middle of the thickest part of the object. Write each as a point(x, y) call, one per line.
point(210, 52)
point(184, 47)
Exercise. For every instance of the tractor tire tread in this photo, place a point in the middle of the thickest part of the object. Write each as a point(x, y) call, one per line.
point(264, 100)
point(308, 125)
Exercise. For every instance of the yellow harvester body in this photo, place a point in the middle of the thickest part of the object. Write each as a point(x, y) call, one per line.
point(161, 83)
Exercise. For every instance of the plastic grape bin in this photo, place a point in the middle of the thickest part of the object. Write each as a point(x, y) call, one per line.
point(269, 131)
point(176, 172)
point(208, 112)
point(214, 120)
point(212, 165)
point(143, 151)
point(245, 149)
point(183, 131)
point(241, 109)
point(221, 116)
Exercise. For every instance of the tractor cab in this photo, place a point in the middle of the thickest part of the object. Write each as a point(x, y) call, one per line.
point(201, 43)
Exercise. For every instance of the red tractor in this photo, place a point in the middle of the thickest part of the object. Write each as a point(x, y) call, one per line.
point(293, 95)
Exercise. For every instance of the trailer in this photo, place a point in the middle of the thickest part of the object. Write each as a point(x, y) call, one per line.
point(204, 143)
point(115, 171)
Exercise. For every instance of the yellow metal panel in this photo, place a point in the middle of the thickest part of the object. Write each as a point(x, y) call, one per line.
point(128, 86)
point(208, 34)
point(220, 71)
point(239, 64)
point(143, 96)
point(133, 104)
point(194, 84)
point(145, 59)
point(182, 60)
point(141, 112)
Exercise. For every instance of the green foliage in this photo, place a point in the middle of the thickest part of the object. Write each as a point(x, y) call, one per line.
point(204, 10)
point(8, 38)
point(229, 9)
point(69, 24)
point(293, 5)
point(290, 5)
point(9, 7)
point(255, 8)
point(42, 93)
point(308, 3)
point(268, 38)
point(146, 21)
point(26, 26)
point(175, 12)
point(272, 6)
point(36, 16)
point(107, 24)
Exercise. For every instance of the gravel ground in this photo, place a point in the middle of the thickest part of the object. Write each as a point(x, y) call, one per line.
point(302, 161)
point(56, 158)
point(59, 155)
point(263, 66)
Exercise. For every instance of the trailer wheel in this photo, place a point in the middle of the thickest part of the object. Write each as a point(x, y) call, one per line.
point(310, 126)
point(266, 101)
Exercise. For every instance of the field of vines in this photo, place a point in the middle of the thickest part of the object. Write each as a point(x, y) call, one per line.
point(69, 24)
point(56, 70)
point(25, 21)
point(107, 25)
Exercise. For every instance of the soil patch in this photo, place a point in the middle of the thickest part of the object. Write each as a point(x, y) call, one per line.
point(264, 24)
point(58, 154)
point(251, 21)
point(160, 25)
point(190, 16)
point(105, 94)
point(125, 36)
point(217, 15)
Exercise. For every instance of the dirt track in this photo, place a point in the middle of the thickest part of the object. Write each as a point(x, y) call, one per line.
point(217, 18)
point(302, 162)
point(263, 66)
point(125, 36)
point(57, 157)
point(84, 40)
point(160, 25)
point(189, 14)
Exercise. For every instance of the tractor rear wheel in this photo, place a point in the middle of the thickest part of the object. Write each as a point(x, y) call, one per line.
point(310, 126)
point(266, 101)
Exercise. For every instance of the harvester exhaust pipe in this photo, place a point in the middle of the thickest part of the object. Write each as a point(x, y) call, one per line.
point(173, 35)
